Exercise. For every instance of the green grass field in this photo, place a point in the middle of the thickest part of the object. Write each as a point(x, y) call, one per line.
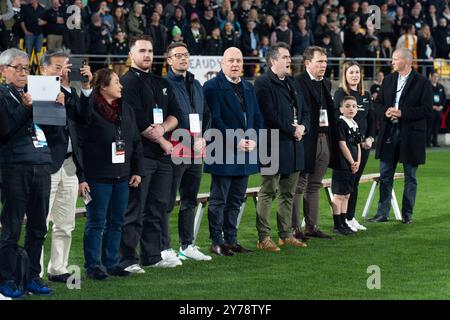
point(413, 259)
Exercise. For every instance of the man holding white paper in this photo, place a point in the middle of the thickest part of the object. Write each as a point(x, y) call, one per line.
point(25, 160)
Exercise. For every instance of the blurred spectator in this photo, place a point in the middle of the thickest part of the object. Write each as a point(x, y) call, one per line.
point(148, 6)
point(192, 8)
point(137, 22)
point(259, 5)
point(311, 11)
point(399, 22)
point(160, 9)
point(17, 32)
point(243, 11)
point(426, 49)
point(124, 5)
point(77, 39)
point(300, 13)
point(6, 23)
point(194, 37)
point(169, 9)
point(290, 11)
point(439, 102)
point(302, 38)
point(159, 35)
point(375, 88)
point(386, 24)
point(99, 42)
point(282, 33)
point(235, 24)
point(432, 17)
point(176, 34)
point(264, 46)
point(386, 52)
point(55, 25)
point(230, 38)
point(275, 8)
point(442, 39)
point(106, 18)
point(31, 25)
point(224, 9)
point(120, 48)
point(326, 44)
point(119, 19)
point(266, 28)
point(408, 39)
point(249, 47)
point(416, 18)
point(208, 20)
point(213, 44)
point(320, 28)
point(355, 41)
point(177, 20)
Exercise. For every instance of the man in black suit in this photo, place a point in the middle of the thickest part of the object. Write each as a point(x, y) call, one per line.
point(404, 103)
point(320, 149)
point(65, 169)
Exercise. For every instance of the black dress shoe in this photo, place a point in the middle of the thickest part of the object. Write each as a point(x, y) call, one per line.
point(118, 272)
point(237, 248)
point(96, 273)
point(407, 219)
point(316, 233)
point(59, 277)
point(378, 218)
point(299, 235)
point(221, 250)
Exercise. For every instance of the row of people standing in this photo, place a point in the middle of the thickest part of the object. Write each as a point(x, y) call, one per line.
point(113, 156)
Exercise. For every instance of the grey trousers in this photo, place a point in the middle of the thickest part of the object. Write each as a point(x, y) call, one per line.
point(309, 185)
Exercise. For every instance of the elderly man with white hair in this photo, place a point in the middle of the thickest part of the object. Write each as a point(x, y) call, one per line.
point(404, 103)
point(25, 160)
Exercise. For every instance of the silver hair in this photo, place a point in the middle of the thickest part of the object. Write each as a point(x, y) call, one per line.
point(406, 54)
point(9, 55)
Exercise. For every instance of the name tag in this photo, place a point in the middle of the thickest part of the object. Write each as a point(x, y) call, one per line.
point(436, 98)
point(118, 151)
point(194, 123)
point(39, 140)
point(158, 116)
point(323, 118)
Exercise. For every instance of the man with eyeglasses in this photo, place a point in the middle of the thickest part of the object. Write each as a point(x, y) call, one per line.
point(194, 120)
point(66, 171)
point(25, 160)
point(156, 110)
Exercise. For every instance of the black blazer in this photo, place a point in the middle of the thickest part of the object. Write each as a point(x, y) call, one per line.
point(56, 136)
point(416, 105)
point(275, 104)
point(312, 101)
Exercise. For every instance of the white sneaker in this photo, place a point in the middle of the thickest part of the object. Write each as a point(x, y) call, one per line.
point(193, 253)
point(170, 255)
point(351, 225)
point(3, 298)
point(164, 264)
point(134, 268)
point(357, 225)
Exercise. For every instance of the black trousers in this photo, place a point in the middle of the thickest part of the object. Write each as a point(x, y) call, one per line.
point(354, 195)
point(433, 123)
point(26, 189)
point(146, 215)
point(186, 180)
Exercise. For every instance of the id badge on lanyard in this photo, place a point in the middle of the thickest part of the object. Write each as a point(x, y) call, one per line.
point(38, 136)
point(194, 123)
point(118, 151)
point(323, 118)
point(158, 116)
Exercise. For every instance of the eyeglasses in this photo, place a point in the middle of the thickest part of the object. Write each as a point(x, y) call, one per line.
point(20, 68)
point(180, 55)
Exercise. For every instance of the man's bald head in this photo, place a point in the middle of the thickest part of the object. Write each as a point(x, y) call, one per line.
point(402, 59)
point(232, 63)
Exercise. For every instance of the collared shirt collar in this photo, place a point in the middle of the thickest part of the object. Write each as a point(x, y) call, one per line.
point(231, 80)
point(401, 78)
point(312, 77)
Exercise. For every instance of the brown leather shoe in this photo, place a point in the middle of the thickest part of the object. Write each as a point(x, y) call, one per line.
point(291, 241)
point(267, 245)
point(315, 232)
point(299, 235)
point(221, 250)
point(237, 248)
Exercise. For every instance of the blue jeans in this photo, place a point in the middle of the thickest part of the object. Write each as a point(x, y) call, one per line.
point(105, 215)
point(226, 197)
point(34, 41)
point(387, 171)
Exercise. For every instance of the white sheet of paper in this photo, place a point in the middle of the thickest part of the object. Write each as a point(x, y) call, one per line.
point(44, 88)
point(194, 123)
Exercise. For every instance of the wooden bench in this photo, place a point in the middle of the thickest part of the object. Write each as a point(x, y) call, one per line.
point(203, 198)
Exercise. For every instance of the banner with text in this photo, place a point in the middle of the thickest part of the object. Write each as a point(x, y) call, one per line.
point(204, 67)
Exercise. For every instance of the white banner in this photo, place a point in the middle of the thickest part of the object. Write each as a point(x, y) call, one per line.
point(204, 67)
